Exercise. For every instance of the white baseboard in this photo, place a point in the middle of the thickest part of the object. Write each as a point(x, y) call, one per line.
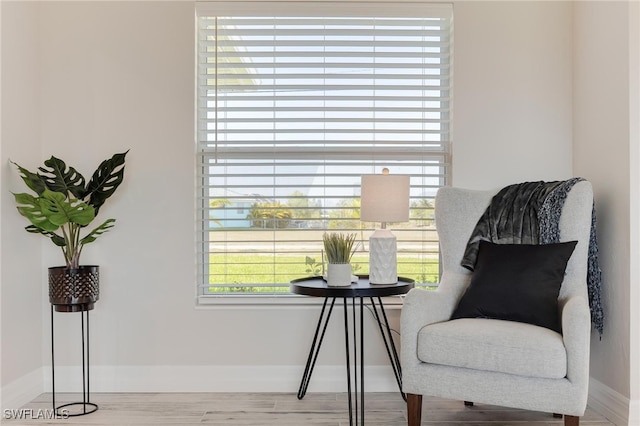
point(611, 404)
point(216, 379)
point(614, 406)
point(190, 379)
point(634, 413)
point(21, 391)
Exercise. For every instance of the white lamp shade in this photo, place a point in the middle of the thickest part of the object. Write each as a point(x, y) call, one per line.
point(384, 198)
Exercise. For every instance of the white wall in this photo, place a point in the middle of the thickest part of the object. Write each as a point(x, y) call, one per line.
point(602, 117)
point(105, 91)
point(143, 99)
point(116, 76)
point(512, 92)
point(634, 158)
point(22, 288)
point(606, 147)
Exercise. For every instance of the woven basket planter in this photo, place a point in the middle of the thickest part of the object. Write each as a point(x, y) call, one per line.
point(74, 290)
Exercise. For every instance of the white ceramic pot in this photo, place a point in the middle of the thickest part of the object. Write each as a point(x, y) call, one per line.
point(339, 274)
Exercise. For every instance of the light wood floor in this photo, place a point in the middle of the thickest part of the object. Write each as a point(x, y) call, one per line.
point(270, 409)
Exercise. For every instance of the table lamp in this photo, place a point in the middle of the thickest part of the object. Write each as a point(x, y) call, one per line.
point(384, 198)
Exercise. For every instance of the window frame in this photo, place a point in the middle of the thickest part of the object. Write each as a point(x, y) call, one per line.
point(298, 8)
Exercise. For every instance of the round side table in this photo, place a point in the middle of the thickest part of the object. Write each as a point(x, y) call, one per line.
point(357, 292)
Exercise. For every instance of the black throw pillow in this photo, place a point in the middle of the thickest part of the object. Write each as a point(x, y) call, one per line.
point(517, 282)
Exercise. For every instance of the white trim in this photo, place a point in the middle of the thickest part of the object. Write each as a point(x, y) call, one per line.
point(230, 300)
point(609, 403)
point(21, 391)
point(231, 378)
point(634, 413)
point(234, 378)
point(238, 120)
point(321, 8)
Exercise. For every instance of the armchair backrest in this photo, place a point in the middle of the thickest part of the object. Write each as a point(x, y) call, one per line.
point(458, 211)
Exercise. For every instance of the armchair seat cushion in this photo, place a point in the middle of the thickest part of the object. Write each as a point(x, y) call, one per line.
point(494, 345)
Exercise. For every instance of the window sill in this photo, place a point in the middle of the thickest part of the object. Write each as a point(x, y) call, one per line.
point(293, 300)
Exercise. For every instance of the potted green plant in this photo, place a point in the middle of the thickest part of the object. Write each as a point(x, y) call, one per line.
point(339, 249)
point(62, 206)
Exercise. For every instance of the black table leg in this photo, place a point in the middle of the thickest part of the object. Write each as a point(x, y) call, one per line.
point(361, 360)
point(387, 337)
point(315, 348)
point(355, 397)
point(346, 346)
point(355, 362)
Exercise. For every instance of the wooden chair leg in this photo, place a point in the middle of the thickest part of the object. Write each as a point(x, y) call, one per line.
point(468, 404)
point(414, 409)
point(571, 421)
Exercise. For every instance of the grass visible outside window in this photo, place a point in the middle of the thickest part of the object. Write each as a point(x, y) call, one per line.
point(265, 269)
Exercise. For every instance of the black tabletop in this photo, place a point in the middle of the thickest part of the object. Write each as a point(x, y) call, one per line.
point(316, 286)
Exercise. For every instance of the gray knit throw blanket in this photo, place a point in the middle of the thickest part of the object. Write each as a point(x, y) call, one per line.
point(529, 213)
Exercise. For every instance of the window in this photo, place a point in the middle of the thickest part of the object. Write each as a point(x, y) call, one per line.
point(295, 102)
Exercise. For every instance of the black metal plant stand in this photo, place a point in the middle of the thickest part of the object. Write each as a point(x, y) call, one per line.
point(87, 406)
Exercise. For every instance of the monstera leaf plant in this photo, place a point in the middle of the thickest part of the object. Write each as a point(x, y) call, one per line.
point(64, 204)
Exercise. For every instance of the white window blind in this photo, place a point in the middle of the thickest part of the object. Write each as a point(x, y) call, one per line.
point(295, 102)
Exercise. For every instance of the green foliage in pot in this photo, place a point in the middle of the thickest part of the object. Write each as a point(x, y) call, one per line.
point(64, 203)
point(339, 247)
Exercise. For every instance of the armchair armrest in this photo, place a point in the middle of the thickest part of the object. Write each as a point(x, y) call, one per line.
point(576, 333)
point(424, 307)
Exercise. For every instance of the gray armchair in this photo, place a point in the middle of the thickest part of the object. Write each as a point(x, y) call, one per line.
point(490, 361)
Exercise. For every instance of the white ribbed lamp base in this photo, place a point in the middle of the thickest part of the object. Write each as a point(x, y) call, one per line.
point(383, 264)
